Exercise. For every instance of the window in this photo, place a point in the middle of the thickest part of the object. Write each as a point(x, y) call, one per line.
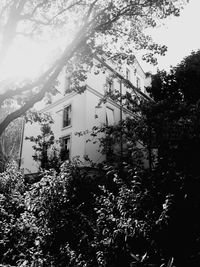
point(67, 116)
point(110, 120)
point(65, 148)
point(128, 76)
point(138, 83)
point(109, 85)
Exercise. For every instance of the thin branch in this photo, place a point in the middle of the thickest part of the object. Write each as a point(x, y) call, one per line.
point(29, 16)
point(115, 18)
point(65, 9)
point(90, 10)
point(98, 15)
point(35, 9)
point(40, 22)
point(68, 53)
point(10, 93)
point(20, 6)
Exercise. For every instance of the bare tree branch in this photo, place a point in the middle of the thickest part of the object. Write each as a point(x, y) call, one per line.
point(40, 22)
point(64, 10)
point(10, 93)
point(90, 10)
point(94, 20)
point(30, 15)
point(78, 41)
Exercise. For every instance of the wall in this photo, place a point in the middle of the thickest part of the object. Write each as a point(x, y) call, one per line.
point(56, 111)
point(96, 116)
point(27, 162)
point(85, 115)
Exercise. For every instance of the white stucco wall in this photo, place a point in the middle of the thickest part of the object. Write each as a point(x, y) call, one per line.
point(56, 111)
point(27, 162)
point(85, 115)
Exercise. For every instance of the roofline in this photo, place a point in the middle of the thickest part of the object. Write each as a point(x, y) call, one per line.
point(140, 65)
point(125, 81)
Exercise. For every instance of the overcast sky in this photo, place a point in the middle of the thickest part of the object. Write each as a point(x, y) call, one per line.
point(181, 35)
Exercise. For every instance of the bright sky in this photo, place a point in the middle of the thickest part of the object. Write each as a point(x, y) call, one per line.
point(27, 58)
point(181, 35)
point(32, 55)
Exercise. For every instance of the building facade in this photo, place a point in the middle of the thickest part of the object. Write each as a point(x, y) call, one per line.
point(73, 112)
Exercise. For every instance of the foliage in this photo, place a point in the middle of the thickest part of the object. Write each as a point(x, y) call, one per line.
point(120, 142)
point(181, 83)
point(11, 139)
point(175, 115)
point(113, 214)
point(111, 28)
point(47, 154)
point(79, 217)
point(174, 121)
point(164, 86)
point(99, 217)
point(170, 125)
point(10, 143)
point(12, 207)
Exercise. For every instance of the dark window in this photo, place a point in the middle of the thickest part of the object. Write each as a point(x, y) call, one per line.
point(67, 116)
point(109, 85)
point(138, 83)
point(127, 74)
point(65, 148)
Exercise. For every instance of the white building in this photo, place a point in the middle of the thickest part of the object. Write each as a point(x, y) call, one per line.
point(74, 112)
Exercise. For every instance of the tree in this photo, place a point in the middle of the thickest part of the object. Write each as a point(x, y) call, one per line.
point(175, 115)
point(47, 149)
point(174, 120)
point(10, 140)
point(78, 217)
point(12, 189)
point(99, 25)
point(181, 83)
point(170, 124)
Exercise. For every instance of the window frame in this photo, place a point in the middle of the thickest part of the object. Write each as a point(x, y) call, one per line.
point(109, 85)
point(138, 82)
point(63, 116)
point(113, 111)
point(128, 74)
point(66, 137)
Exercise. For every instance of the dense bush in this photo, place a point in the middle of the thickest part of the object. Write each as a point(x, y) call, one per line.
point(79, 217)
point(108, 215)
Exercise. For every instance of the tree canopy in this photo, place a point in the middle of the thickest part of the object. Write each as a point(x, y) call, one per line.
point(173, 120)
point(114, 28)
point(181, 83)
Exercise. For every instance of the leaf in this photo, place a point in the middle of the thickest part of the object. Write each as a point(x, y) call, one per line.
point(170, 262)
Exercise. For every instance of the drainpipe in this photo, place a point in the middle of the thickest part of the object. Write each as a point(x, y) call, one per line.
point(21, 143)
point(149, 150)
point(121, 141)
